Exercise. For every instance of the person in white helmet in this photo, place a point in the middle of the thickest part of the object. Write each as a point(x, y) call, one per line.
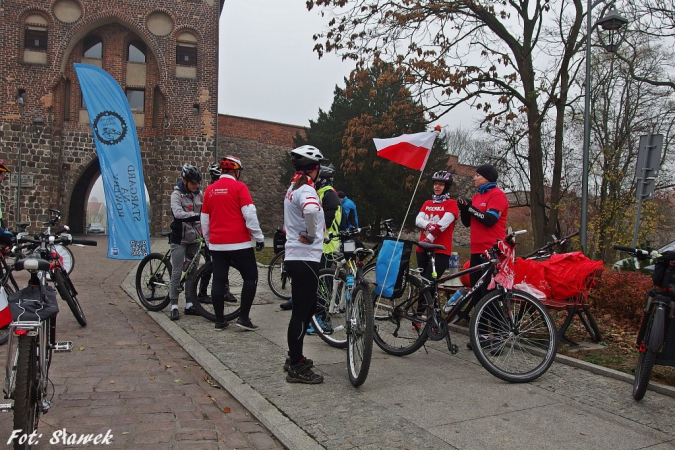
point(305, 230)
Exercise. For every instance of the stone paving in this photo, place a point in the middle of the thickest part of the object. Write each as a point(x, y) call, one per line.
point(127, 375)
point(430, 399)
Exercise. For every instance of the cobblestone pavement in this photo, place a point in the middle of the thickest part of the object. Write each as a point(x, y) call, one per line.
point(430, 399)
point(127, 375)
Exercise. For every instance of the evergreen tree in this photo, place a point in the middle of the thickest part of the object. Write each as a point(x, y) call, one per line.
point(374, 104)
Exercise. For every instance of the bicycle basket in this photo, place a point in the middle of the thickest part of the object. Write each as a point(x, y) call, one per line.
point(33, 304)
point(279, 240)
point(664, 270)
point(392, 264)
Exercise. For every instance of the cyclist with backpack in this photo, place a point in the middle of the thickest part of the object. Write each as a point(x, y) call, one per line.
point(186, 206)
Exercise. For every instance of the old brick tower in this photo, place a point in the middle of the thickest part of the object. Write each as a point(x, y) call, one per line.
point(163, 53)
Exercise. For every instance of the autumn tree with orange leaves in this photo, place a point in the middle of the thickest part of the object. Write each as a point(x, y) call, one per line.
point(507, 60)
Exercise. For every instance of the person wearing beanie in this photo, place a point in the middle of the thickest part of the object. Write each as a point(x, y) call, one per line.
point(486, 215)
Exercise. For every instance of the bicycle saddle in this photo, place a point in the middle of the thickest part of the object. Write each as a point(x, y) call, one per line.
point(426, 246)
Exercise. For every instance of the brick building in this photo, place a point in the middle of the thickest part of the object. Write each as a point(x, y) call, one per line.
point(163, 53)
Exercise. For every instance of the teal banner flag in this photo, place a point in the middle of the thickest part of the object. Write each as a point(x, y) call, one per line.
point(119, 156)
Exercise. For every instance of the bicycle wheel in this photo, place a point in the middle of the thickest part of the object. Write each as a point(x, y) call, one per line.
point(199, 291)
point(360, 334)
point(278, 280)
point(67, 292)
point(26, 395)
point(329, 320)
point(513, 336)
point(645, 363)
point(399, 329)
point(152, 281)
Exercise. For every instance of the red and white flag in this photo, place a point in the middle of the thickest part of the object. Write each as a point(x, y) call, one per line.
point(410, 150)
point(5, 313)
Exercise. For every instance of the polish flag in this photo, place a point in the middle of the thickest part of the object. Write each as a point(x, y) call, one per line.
point(410, 150)
point(5, 313)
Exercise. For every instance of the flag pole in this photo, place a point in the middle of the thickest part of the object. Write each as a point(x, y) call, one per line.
point(398, 238)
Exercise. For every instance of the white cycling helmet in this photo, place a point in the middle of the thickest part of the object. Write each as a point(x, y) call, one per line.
point(306, 157)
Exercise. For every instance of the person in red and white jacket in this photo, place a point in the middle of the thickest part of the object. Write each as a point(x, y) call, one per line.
point(228, 221)
point(437, 219)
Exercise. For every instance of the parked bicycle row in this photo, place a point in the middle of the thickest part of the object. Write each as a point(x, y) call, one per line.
point(28, 318)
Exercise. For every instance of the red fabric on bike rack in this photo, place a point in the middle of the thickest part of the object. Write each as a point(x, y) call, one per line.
point(569, 274)
point(532, 273)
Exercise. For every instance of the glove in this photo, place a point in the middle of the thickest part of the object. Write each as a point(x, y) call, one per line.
point(463, 203)
point(433, 229)
point(259, 245)
point(310, 239)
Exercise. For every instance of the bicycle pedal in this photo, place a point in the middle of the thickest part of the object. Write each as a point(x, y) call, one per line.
point(6, 405)
point(63, 346)
point(45, 405)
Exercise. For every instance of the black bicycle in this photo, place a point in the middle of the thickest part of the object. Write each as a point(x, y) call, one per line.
point(512, 334)
point(658, 312)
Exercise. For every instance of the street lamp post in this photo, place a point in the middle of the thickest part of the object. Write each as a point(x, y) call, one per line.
point(612, 22)
point(37, 122)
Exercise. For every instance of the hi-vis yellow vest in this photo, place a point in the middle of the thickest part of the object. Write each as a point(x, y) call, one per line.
point(333, 245)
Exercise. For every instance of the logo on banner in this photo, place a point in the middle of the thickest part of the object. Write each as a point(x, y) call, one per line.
point(110, 127)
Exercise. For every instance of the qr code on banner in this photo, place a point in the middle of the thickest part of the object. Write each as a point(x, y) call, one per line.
point(139, 248)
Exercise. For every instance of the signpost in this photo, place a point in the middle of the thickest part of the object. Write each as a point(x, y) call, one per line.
point(646, 172)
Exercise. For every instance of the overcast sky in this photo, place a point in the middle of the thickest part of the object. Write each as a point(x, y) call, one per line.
point(267, 67)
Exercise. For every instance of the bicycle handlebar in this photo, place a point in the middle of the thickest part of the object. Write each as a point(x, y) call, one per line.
point(549, 245)
point(636, 252)
point(84, 242)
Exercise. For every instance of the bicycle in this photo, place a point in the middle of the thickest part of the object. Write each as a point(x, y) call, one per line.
point(10, 285)
point(43, 244)
point(61, 251)
point(32, 339)
point(153, 276)
point(344, 316)
point(657, 317)
point(512, 334)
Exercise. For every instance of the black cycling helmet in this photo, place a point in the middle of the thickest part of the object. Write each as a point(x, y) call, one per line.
point(306, 157)
point(444, 176)
point(327, 172)
point(191, 173)
point(214, 170)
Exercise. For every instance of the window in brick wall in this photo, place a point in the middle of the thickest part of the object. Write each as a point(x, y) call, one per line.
point(136, 99)
point(92, 47)
point(35, 39)
point(136, 52)
point(186, 54)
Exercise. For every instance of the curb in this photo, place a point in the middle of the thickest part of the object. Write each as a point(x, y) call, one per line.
point(285, 430)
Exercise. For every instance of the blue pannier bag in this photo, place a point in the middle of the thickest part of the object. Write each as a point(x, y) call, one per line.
point(392, 264)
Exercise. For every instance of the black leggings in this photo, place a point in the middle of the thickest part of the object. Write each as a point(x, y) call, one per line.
point(305, 281)
point(244, 261)
point(476, 260)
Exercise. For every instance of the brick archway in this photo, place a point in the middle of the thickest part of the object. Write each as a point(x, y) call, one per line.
point(77, 209)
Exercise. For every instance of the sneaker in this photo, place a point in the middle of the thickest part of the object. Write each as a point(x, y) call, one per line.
point(287, 306)
point(287, 364)
point(191, 311)
point(175, 315)
point(310, 328)
point(205, 299)
point(302, 373)
point(326, 325)
point(220, 326)
point(229, 298)
point(246, 324)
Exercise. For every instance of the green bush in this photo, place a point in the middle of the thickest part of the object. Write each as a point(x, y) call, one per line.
point(622, 295)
